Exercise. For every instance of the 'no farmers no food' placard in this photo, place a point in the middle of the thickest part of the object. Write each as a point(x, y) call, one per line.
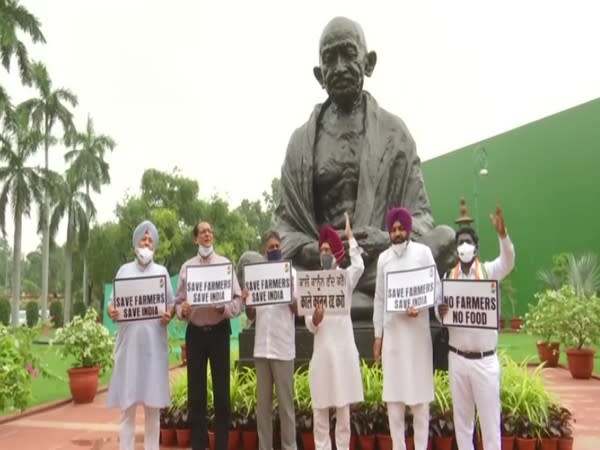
point(471, 303)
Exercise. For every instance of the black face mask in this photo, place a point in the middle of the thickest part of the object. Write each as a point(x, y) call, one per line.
point(327, 262)
point(274, 255)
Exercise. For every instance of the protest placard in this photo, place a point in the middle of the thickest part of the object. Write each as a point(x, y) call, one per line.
point(268, 283)
point(140, 298)
point(323, 287)
point(471, 303)
point(209, 285)
point(405, 288)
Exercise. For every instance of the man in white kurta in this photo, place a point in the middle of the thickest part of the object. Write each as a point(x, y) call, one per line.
point(334, 371)
point(404, 338)
point(473, 364)
point(274, 354)
point(140, 374)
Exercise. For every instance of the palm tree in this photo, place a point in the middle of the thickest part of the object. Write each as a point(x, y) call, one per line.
point(51, 106)
point(15, 18)
point(22, 185)
point(78, 208)
point(88, 162)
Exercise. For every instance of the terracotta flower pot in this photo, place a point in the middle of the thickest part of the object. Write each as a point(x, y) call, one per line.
point(443, 442)
point(409, 441)
point(515, 323)
point(366, 442)
point(548, 353)
point(526, 443)
point(502, 324)
point(429, 443)
point(233, 443)
point(581, 362)
point(83, 383)
point(384, 442)
point(183, 437)
point(308, 440)
point(549, 444)
point(565, 444)
point(211, 440)
point(168, 437)
point(250, 440)
point(508, 442)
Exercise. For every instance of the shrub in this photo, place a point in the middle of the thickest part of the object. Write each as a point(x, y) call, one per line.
point(32, 313)
point(4, 311)
point(79, 308)
point(56, 313)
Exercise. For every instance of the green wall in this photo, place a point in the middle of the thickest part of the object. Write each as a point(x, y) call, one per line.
point(545, 175)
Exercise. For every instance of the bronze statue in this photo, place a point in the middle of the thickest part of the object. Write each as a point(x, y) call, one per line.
point(352, 156)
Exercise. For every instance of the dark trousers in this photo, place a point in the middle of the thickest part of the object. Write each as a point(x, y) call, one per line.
point(205, 344)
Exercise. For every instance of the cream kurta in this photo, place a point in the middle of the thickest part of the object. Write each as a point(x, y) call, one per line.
point(334, 371)
point(407, 355)
point(141, 367)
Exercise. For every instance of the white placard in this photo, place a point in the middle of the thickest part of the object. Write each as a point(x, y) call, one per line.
point(140, 298)
point(209, 285)
point(326, 287)
point(268, 283)
point(471, 303)
point(405, 288)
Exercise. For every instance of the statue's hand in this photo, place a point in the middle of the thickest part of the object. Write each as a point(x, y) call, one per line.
point(372, 240)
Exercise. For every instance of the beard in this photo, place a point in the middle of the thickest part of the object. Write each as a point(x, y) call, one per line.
point(398, 240)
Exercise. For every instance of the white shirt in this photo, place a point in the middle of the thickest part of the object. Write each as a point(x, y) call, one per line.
point(478, 340)
point(275, 330)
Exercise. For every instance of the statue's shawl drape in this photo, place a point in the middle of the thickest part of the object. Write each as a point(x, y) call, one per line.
point(389, 175)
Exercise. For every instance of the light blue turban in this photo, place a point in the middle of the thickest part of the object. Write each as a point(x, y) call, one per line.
point(141, 229)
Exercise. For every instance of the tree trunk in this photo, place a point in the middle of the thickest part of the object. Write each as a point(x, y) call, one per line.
point(84, 255)
point(68, 269)
point(16, 275)
point(45, 233)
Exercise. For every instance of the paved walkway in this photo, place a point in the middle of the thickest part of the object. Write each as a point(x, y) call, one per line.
point(80, 427)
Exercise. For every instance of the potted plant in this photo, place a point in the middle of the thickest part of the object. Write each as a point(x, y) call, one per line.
point(303, 408)
point(90, 344)
point(508, 299)
point(248, 410)
point(167, 427)
point(579, 328)
point(507, 430)
point(527, 436)
point(236, 388)
point(441, 423)
point(564, 424)
point(179, 408)
point(381, 427)
point(541, 320)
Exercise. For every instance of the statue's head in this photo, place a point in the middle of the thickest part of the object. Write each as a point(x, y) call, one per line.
point(343, 61)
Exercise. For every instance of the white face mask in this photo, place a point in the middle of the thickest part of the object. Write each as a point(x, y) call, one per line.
point(399, 249)
point(144, 255)
point(205, 251)
point(466, 252)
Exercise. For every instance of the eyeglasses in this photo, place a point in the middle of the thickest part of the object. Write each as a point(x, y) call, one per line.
point(205, 231)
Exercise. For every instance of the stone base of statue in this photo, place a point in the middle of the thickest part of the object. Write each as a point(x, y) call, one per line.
point(363, 336)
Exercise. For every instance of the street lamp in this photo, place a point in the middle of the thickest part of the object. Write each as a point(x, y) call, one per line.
point(480, 169)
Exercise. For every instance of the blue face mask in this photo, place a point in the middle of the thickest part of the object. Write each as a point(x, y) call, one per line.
point(274, 255)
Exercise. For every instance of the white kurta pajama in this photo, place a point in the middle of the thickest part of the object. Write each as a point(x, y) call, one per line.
point(335, 358)
point(407, 354)
point(476, 382)
point(140, 374)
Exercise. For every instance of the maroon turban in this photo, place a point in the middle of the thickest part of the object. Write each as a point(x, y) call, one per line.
point(401, 215)
point(329, 235)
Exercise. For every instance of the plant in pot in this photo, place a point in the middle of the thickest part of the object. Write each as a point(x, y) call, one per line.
point(507, 430)
point(88, 342)
point(236, 389)
point(579, 328)
point(541, 320)
point(179, 408)
point(303, 408)
point(248, 410)
point(527, 433)
point(381, 427)
point(508, 299)
point(559, 427)
point(167, 427)
point(441, 423)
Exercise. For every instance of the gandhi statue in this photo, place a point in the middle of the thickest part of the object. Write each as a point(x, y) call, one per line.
point(352, 156)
